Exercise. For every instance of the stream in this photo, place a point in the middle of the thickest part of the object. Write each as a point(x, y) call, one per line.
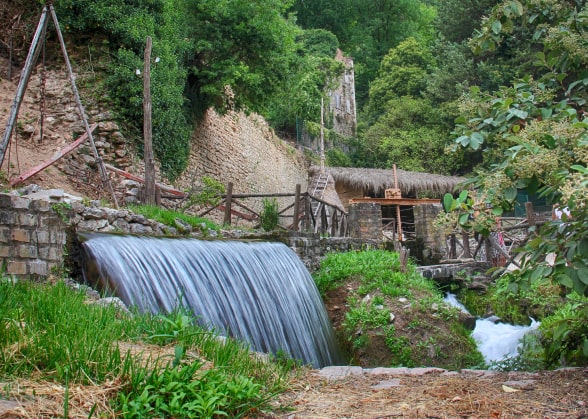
point(496, 341)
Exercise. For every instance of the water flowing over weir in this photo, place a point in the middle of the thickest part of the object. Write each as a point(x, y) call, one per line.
point(496, 341)
point(258, 292)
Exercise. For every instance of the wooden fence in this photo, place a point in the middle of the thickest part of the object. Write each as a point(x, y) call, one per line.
point(497, 248)
point(303, 212)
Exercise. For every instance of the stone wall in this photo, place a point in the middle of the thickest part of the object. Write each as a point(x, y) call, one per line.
point(36, 228)
point(434, 241)
point(365, 221)
point(32, 235)
point(243, 150)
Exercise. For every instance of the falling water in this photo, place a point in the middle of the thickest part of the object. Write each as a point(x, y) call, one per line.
point(260, 293)
point(496, 341)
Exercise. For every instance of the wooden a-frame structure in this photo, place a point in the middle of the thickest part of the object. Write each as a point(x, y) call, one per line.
point(32, 56)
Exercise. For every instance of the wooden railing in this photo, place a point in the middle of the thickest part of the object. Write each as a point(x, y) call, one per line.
point(498, 248)
point(295, 215)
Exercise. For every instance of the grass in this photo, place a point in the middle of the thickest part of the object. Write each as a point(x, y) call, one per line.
point(394, 318)
point(170, 217)
point(50, 334)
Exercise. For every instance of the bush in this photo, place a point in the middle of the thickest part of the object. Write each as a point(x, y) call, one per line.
point(269, 216)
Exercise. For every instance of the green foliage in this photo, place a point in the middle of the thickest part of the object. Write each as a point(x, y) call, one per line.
point(269, 216)
point(126, 24)
point(367, 30)
point(187, 391)
point(247, 45)
point(377, 289)
point(49, 333)
point(169, 217)
point(565, 335)
point(409, 133)
point(534, 134)
point(403, 72)
point(207, 193)
point(50, 330)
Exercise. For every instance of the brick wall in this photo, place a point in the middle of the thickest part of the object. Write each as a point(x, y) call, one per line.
point(434, 241)
point(32, 235)
point(365, 221)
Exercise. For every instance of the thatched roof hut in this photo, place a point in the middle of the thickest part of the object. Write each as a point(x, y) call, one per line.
point(358, 182)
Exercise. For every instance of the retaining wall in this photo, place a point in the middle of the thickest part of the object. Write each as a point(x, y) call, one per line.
point(36, 229)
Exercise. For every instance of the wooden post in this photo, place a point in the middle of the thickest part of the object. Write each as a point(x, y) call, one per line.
point(399, 221)
point(24, 80)
point(228, 203)
point(295, 226)
point(149, 197)
point(465, 237)
point(97, 157)
point(530, 214)
point(452, 247)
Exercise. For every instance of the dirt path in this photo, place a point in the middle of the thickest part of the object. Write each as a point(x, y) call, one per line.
point(391, 393)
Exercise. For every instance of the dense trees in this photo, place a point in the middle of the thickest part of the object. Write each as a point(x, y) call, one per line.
point(534, 133)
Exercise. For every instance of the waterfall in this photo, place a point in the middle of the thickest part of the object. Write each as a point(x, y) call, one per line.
point(258, 292)
point(495, 340)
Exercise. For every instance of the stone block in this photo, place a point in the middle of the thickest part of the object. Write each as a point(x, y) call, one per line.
point(56, 254)
point(7, 217)
point(58, 237)
point(40, 205)
point(20, 203)
point(5, 251)
point(21, 235)
point(38, 267)
point(15, 267)
point(5, 201)
point(27, 252)
point(27, 219)
point(5, 235)
point(41, 237)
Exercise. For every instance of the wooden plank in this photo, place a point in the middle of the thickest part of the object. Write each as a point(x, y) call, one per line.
point(140, 179)
point(61, 153)
point(396, 201)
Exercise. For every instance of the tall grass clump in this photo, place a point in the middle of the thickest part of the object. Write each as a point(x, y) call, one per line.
point(51, 333)
point(50, 329)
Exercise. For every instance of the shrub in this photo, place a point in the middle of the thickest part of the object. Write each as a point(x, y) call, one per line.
point(269, 216)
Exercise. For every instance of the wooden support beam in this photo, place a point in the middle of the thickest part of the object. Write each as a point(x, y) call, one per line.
point(140, 179)
point(60, 154)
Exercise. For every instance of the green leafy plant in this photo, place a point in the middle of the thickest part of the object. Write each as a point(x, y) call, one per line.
point(269, 216)
point(188, 391)
point(208, 193)
point(169, 217)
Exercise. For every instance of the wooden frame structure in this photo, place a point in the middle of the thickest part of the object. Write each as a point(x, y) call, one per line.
point(31, 59)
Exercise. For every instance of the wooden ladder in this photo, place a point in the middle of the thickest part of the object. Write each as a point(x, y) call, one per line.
point(320, 184)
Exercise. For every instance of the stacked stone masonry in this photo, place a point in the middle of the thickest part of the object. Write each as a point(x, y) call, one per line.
point(32, 235)
point(34, 230)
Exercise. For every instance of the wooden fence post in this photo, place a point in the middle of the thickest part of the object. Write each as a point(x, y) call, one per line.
point(228, 203)
point(296, 208)
point(149, 198)
point(530, 214)
point(465, 237)
point(452, 247)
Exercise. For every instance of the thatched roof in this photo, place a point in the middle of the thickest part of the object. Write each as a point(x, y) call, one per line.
point(378, 180)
